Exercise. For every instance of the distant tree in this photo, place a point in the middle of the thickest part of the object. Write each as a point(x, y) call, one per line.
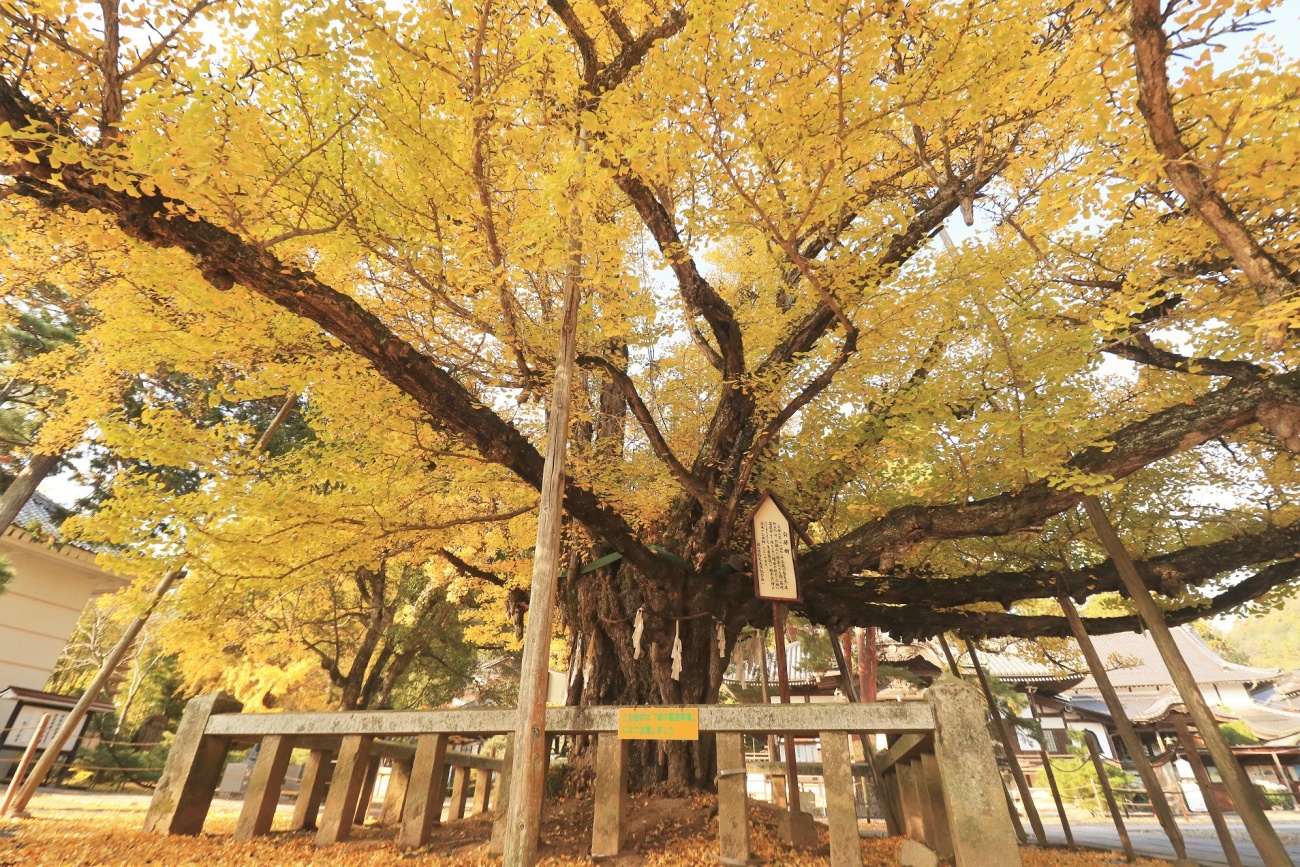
point(1220, 643)
point(1270, 639)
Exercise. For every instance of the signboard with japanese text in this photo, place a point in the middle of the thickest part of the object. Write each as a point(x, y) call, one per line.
point(774, 576)
point(24, 726)
point(658, 724)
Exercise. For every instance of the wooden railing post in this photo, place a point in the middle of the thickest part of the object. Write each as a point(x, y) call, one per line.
point(425, 792)
point(611, 795)
point(264, 786)
point(733, 807)
point(979, 826)
point(189, 779)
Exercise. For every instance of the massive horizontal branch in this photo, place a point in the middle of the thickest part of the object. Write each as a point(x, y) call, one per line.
point(1167, 573)
point(1164, 433)
point(225, 258)
point(907, 622)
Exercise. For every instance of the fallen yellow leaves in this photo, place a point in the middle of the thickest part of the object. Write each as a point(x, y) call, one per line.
point(98, 831)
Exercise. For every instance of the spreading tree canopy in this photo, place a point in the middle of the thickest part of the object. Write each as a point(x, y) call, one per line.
point(373, 205)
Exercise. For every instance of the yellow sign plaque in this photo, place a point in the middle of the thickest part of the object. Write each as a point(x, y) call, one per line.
point(658, 724)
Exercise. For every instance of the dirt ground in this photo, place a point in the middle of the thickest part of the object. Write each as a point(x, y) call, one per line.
point(81, 830)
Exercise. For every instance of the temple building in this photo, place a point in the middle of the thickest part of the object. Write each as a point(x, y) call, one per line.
point(53, 582)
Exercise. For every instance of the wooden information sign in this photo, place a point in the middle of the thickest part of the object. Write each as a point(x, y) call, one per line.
point(658, 724)
point(774, 576)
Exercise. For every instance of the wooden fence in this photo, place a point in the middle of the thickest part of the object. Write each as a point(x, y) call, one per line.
point(939, 774)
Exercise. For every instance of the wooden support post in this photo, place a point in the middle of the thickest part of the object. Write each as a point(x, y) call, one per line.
point(482, 791)
point(459, 792)
point(264, 786)
point(868, 749)
point(1128, 735)
point(611, 795)
point(498, 842)
point(524, 807)
point(937, 827)
point(1094, 752)
point(345, 788)
point(1002, 728)
point(1051, 776)
point(796, 827)
point(424, 792)
point(189, 779)
point(1203, 782)
point(733, 812)
point(33, 743)
point(399, 778)
point(841, 810)
point(1056, 798)
point(777, 785)
point(979, 830)
point(1234, 778)
point(367, 792)
point(1015, 814)
point(311, 791)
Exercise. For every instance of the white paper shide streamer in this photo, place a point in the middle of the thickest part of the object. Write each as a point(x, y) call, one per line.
point(637, 629)
point(677, 651)
point(722, 642)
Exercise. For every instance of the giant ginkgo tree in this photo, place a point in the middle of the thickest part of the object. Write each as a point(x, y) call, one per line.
point(756, 193)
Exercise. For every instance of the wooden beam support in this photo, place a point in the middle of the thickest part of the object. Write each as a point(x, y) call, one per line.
point(1127, 734)
point(1234, 778)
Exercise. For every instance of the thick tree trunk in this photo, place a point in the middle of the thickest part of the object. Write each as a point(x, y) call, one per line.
point(605, 603)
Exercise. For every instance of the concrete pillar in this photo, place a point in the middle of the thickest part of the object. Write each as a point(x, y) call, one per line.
point(459, 792)
point(841, 808)
point(937, 831)
point(611, 795)
point(367, 792)
point(399, 777)
point(311, 791)
point(189, 779)
point(482, 791)
point(497, 844)
point(733, 812)
point(973, 797)
point(425, 792)
point(264, 787)
point(908, 795)
point(345, 789)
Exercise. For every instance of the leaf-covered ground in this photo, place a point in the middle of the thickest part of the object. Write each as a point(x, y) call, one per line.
point(82, 830)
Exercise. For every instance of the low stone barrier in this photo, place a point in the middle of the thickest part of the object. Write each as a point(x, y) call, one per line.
point(939, 772)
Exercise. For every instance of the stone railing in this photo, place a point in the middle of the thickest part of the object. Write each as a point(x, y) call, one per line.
point(939, 773)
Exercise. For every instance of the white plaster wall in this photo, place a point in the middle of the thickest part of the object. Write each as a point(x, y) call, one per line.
point(39, 608)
